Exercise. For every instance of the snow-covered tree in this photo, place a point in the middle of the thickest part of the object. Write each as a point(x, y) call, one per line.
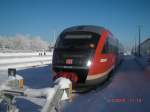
point(38, 44)
point(23, 42)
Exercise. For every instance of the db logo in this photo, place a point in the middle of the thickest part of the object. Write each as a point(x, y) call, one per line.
point(69, 61)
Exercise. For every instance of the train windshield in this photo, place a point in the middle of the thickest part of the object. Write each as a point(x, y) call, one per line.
point(79, 40)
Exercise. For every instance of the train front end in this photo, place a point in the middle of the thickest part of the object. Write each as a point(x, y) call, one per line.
point(85, 55)
point(73, 54)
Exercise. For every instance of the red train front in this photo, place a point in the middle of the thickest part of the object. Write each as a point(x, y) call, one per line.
point(85, 55)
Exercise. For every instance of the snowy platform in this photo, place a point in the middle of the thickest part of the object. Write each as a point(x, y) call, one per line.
point(144, 61)
point(23, 60)
point(3, 76)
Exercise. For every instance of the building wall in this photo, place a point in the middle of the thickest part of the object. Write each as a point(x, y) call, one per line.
point(145, 47)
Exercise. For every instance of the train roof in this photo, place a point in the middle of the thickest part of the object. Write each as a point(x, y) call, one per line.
point(91, 28)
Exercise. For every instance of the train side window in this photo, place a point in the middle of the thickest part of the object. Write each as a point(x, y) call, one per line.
point(113, 46)
point(110, 46)
point(106, 47)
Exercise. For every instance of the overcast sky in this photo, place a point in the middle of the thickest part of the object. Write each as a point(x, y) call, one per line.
point(46, 18)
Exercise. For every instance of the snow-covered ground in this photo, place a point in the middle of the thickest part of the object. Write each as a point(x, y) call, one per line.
point(3, 76)
point(22, 54)
point(144, 61)
point(126, 90)
point(23, 60)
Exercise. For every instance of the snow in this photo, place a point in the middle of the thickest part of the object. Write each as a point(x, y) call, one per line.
point(49, 92)
point(63, 82)
point(23, 60)
point(129, 82)
point(22, 54)
point(144, 61)
point(3, 80)
point(3, 76)
point(49, 99)
point(38, 92)
point(22, 42)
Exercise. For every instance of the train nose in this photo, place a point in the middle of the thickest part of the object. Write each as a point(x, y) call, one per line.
point(69, 75)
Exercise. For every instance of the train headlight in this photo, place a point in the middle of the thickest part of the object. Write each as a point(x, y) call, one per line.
point(88, 63)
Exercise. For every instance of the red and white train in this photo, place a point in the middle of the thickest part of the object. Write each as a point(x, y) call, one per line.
point(85, 54)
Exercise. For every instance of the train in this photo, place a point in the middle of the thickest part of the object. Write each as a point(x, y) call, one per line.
point(85, 54)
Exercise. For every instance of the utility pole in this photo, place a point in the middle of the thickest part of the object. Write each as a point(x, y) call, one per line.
point(135, 45)
point(54, 34)
point(139, 47)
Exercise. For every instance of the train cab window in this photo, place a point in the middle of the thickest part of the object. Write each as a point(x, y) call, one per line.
point(78, 40)
point(112, 46)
